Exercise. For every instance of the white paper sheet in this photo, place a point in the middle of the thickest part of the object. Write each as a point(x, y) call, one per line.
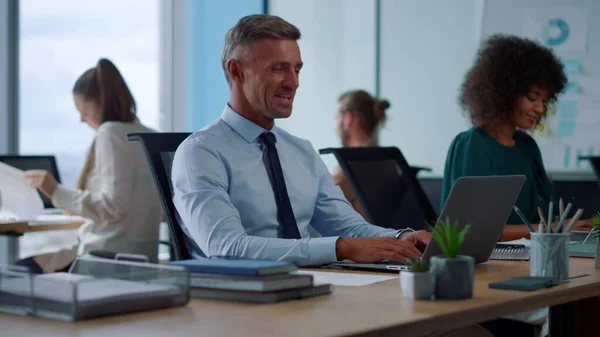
point(58, 218)
point(345, 279)
point(17, 199)
point(521, 241)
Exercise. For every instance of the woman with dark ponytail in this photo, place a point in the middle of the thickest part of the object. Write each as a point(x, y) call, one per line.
point(115, 189)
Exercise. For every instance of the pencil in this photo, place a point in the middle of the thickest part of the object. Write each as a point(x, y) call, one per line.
point(550, 215)
point(564, 215)
point(542, 220)
point(575, 218)
point(578, 276)
point(561, 208)
point(518, 211)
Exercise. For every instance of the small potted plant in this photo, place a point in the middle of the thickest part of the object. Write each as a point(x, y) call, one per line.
point(596, 234)
point(418, 283)
point(453, 273)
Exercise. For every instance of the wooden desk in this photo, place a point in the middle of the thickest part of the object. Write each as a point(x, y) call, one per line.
point(375, 310)
point(22, 227)
point(11, 230)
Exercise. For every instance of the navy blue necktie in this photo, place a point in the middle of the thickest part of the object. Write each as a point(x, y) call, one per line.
point(285, 213)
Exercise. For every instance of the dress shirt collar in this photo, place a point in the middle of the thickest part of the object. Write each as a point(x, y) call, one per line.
point(245, 128)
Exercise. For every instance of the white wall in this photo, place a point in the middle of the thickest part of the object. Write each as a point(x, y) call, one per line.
point(338, 50)
point(426, 48)
point(508, 17)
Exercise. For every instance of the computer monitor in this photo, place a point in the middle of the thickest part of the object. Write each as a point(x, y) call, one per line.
point(25, 163)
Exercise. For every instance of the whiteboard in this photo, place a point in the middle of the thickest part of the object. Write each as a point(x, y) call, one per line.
point(569, 27)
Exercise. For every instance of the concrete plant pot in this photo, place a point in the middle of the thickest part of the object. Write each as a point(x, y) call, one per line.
point(453, 277)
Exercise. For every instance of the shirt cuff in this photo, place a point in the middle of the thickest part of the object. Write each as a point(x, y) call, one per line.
point(389, 232)
point(322, 250)
point(63, 197)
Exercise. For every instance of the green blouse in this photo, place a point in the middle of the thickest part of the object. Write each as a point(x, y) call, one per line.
point(476, 153)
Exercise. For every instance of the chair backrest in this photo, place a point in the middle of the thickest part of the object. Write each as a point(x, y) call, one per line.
point(432, 186)
point(160, 150)
point(386, 186)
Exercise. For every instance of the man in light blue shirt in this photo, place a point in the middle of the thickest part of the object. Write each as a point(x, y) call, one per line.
point(244, 187)
point(225, 177)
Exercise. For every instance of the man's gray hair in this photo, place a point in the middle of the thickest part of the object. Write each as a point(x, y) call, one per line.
point(253, 28)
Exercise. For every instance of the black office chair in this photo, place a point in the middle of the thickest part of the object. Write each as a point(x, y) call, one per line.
point(385, 185)
point(160, 150)
point(432, 186)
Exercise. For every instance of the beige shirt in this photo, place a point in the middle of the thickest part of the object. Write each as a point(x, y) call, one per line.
point(121, 199)
point(340, 179)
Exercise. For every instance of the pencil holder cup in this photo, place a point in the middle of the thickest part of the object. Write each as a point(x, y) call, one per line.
point(550, 255)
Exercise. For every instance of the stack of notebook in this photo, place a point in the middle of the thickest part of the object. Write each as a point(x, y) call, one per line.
point(511, 251)
point(520, 250)
point(247, 280)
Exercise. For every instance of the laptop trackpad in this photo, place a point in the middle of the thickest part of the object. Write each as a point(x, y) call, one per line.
point(382, 266)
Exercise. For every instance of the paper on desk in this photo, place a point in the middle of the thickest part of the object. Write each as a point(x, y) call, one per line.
point(521, 241)
point(58, 218)
point(345, 279)
point(16, 197)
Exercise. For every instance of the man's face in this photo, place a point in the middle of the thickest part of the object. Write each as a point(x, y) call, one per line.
point(271, 68)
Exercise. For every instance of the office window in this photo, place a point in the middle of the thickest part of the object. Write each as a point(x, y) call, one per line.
point(59, 40)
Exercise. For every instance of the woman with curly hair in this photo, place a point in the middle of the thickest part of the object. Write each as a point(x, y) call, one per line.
point(505, 94)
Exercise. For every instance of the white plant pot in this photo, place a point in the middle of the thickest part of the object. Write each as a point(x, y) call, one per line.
point(418, 286)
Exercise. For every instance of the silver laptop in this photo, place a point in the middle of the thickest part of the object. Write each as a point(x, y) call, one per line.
point(483, 202)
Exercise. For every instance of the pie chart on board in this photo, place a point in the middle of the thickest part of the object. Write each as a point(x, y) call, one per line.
point(556, 32)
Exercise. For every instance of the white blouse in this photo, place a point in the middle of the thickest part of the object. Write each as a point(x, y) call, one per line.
point(120, 199)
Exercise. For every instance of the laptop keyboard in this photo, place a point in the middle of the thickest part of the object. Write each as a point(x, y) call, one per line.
point(393, 263)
